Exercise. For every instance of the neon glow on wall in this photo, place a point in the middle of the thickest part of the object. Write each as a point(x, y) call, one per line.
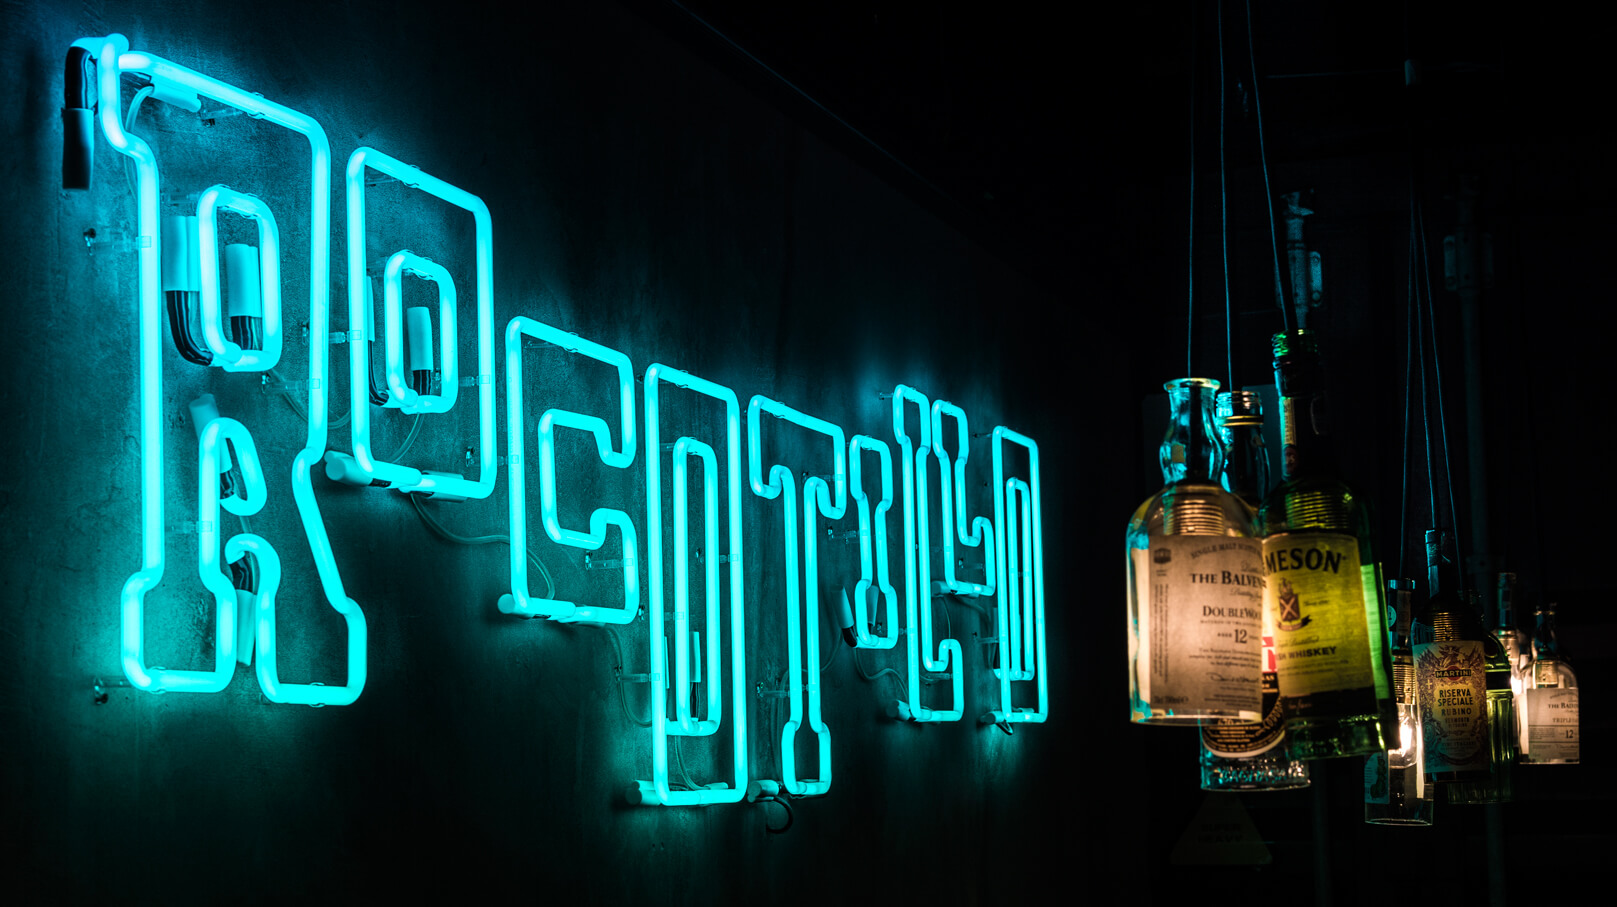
point(945, 659)
point(176, 84)
point(685, 723)
point(820, 498)
point(681, 651)
point(365, 467)
point(520, 601)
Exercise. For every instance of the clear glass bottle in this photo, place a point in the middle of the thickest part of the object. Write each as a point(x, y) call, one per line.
point(1395, 789)
point(1503, 735)
point(1552, 699)
point(1323, 585)
point(1238, 755)
point(1450, 673)
point(1518, 651)
point(1195, 582)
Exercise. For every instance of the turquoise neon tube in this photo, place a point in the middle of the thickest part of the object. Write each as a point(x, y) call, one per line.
point(922, 656)
point(404, 478)
point(228, 355)
point(872, 535)
point(952, 485)
point(114, 59)
point(658, 790)
point(405, 396)
point(1020, 603)
point(519, 601)
point(803, 643)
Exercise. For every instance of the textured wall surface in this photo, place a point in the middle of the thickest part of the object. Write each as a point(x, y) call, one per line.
point(639, 199)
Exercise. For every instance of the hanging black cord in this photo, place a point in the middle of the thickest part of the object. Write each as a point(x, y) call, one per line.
point(1425, 392)
point(1190, 264)
point(1437, 374)
point(1409, 384)
point(1268, 194)
point(1223, 211)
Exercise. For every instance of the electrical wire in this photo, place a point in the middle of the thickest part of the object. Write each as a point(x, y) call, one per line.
point(1263, 163)
point(623, 696)
point(1409, 385)
point(438, 530)
point(679, 761)
point(872, 678)
point(780, 801)
point(1223, 211)
point(409, 441)
point(1437, 375)
point(1190, 252)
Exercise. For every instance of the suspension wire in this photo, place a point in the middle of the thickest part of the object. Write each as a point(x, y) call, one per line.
point(1409, 384)
point(1190, 265)
point(1425, 393)
point(1263, 163)
point(1223, 210)
point(1437, 374)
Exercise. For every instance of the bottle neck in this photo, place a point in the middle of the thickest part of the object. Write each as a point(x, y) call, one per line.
point(1403, 605)
point(1303, 444)
point(1245, 463)
point(1191, 451)
point(1544, 644)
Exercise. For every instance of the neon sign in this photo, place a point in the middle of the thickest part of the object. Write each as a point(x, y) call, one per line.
point(243, 332)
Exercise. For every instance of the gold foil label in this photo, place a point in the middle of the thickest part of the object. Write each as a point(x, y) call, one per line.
point(1453, 687)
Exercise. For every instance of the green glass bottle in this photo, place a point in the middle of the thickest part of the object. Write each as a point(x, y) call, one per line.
point(1323, 584)
point(1503, 734)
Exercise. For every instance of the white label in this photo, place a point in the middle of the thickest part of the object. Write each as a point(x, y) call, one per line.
point(1552, 724)
point(1204, 642)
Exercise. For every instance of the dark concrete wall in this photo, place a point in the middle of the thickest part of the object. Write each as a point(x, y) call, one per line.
point(641, 199)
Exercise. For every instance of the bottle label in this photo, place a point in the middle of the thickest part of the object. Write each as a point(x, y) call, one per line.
point(1233, 739)
point(1452, 683)
point(1552, 724)
point(1375, 777)
point(1316, 593)
point(1203, 641)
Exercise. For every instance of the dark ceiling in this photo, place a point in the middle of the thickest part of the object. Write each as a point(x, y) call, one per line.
point(1023, 125)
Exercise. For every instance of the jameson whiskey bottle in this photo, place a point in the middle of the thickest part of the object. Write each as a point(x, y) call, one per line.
point(1195, 582)
point(1395, 791)
point(1450, 673)
point(1240, 755)
point(1552, 699)
point(1323, 585)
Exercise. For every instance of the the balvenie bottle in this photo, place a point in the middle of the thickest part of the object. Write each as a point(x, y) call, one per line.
point(1195, 577)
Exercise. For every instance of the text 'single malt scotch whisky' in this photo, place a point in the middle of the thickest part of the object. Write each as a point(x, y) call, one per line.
point(1323, 584)
point(1395, 789)
point(1239, 755)
point(1451, 673)
point(1195, 582)
point(1552, 699)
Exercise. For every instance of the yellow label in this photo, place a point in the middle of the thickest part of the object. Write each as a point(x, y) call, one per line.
point(1315, 592)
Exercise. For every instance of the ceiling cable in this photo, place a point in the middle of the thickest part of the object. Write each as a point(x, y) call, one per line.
point(1223, 211)
point(1190, 265)
point(1263, 164)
